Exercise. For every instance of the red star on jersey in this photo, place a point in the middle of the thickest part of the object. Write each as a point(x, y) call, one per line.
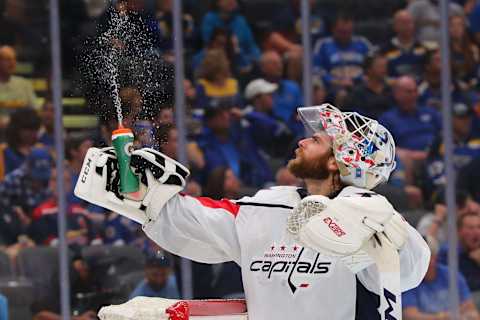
point(295, 248)
point(282, 248)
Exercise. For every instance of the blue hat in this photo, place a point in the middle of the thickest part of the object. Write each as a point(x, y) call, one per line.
point(39, 163)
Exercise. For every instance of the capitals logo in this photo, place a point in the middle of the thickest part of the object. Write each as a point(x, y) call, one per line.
point(295, 263)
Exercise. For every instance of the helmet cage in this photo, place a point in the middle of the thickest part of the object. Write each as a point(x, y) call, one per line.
point(364, 150)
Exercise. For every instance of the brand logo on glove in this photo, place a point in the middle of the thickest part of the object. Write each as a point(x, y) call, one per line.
point(86, 170)
point(334, 227)
point(293, 264)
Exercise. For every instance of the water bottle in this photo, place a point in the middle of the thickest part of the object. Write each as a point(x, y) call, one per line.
point(122, 140)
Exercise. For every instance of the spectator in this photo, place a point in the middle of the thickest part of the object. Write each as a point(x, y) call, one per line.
point(167, 137)
point(319, 92)
point(468, 227)
point(469, 177)
point(288, 97)
point(23, 190)
point(164, 117)
point(46, 133)
point(144, 134)
point(117, 230)
point(21, 135)
point(339, 59)
point(286, 32)
point(413, 127)
point(222, 183)
point(225, 15)
point(465, 55)
point(403, 194)
point(430, 93)
point(222, 40)
point(430, 299)
point(215, 85)
point(190, 93)
point(85, 296)
point(372, 97)
point(259, 93)
point(405, 55)
point(130, 34)
point(271, 133)
point(76, 147)
point(466, 148)
point(15, 91)
point(95, 8)
point(141, 25)
point(165, 25)
point(433, 224)
point(229, 143)
point(132, 103)
point(159, 280)
point(12, 31)
point(294, 66)
point(426, 15)
point(85, 283)
point(43, 228)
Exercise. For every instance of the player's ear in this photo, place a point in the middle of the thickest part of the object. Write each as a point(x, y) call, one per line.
point(332, 164)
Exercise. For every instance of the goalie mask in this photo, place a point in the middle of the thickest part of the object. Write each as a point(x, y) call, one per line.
point(364, 150)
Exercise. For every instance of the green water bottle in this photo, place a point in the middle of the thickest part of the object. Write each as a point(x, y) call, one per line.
point(122, 140)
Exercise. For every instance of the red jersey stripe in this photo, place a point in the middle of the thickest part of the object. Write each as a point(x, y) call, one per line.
point(225, 204)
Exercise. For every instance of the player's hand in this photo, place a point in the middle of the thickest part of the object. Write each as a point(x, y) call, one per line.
point(160, 178)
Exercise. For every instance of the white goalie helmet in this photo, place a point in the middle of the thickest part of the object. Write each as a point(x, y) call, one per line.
point(363, 148)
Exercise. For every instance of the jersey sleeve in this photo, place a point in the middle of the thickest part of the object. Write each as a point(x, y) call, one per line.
point(414, 260)
point(200, 229)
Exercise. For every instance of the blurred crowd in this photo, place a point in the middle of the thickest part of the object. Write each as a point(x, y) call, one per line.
point(243, 83)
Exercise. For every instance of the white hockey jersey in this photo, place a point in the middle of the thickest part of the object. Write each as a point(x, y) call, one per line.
point(282, 280)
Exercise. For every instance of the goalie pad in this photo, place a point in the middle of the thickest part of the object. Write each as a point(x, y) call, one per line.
point(167, 309)
point(160, 179)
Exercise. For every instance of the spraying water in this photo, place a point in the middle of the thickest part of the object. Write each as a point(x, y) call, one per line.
point(124, 54)
point(118, 22)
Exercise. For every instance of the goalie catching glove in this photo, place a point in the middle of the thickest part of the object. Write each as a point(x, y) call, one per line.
point(160, 179)
point(359, 230)
point(342, 226)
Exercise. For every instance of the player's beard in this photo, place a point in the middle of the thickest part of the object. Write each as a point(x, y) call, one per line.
point(303, 169)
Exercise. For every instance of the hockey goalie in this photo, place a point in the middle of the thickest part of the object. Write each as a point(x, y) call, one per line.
point(334, 250)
